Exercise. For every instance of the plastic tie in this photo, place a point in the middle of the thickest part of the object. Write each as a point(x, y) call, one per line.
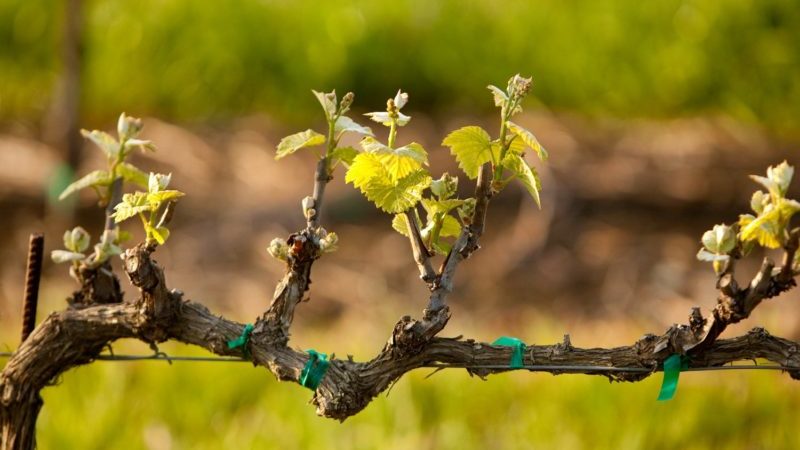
point(242, 341)
point(314, 370)
point(518, 350)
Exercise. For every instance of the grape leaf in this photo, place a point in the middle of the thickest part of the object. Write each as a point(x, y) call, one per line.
point(344, 154)
point(96, 179)
point(372, 178)
point(500, 97)
point(328, 102)
point(132, 174)
point(107, 144)
point(61, 256)
point(529, 139)
point(472, 148)
point(295, 142)
point(398, 162)
point(526, 174)
point(345, 124)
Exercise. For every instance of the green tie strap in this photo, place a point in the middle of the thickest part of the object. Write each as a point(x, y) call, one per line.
point(672, 370)
point(517, 345)
point(314, 370)
point(242, 341)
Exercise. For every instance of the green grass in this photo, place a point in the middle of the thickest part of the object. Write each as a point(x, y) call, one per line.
point(182, 59)
point(212, 406)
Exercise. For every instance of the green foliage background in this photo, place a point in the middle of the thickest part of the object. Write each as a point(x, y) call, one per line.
point(212, 406)
point(190, 60)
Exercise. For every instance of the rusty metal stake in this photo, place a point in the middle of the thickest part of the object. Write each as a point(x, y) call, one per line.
point(32, 277)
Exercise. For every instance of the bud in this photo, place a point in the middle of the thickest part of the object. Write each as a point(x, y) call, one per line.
point(347, 100)
point(158, 182)
point(445, 187)
point(400, 99)
point(278, 249)
point(76, 240)
point(759, 201)
point(518, 86)
point(328, 243)
point(720, 240)
point(391, 108)
point(128, 127)
point(781, 175)
point(467, 210)
point(308, 207)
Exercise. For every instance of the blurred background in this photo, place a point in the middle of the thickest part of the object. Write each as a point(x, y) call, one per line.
point(654, 113)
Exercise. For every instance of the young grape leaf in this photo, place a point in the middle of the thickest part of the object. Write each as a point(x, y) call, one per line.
point(344, 154)
point(107, 144)
point(157, 198)
point(400, 224)
point(500, 97)
point(719, 240)
point(369, 175)
point(762, 229)
point(143, 145)
point(76, 240)
point(781, 175)
point(131, 205)
point(328, 102)
point(96, 179)
point(526, 174)
point(132, 174)
point(529, 139)
point(472, 148)
point(295, 142)
point(62, 256)
point(450, 227)
point(160, 234)
point(445, 187)
point(759, 201)
point(345, 124)
point(384, 118)
point(398, 162)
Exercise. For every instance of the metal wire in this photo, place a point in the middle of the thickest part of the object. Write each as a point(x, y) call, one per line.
point(535, 368)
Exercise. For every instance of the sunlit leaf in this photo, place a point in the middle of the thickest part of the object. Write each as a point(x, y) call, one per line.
point(160, 234)
point(144, 145)
point(76, 240)
point(107, 144)
point(398, 162)
point(97, 178)
point(445, 187)
point(344, 154)
point(345, 124)
point(295, 142)
point(526, 174)
point(328, 102)
point(450, 227)
point(472, 148)
point(132, 174)
point(705, 255)
point(781, 175)
point(384, 118)
point(529, 139)
point(400, 99)
point(62, 256)
point(759, 201)
point(369, 175)
point(720, 240)
point(131, 205)
point(400, 224)
point(764, 229)
point(500, 97)
point(160, 197)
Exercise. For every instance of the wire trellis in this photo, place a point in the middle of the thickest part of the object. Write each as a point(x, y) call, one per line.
point(531, 367)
